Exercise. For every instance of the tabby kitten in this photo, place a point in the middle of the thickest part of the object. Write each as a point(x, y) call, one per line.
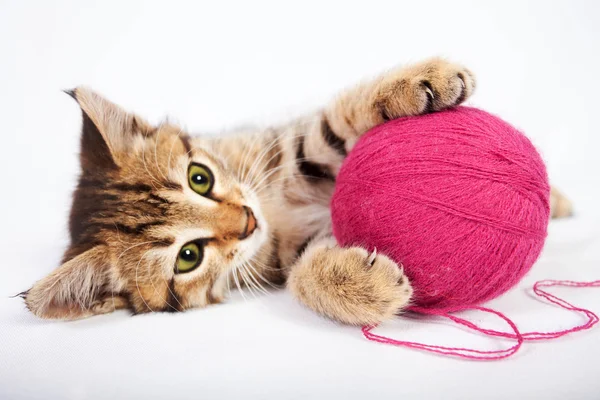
point(164, 222)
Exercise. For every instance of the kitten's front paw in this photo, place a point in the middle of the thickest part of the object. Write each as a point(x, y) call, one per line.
point(350, 285)
point(429, 86)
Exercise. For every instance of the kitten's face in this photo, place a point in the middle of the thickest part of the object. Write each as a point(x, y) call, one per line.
point(156, 224)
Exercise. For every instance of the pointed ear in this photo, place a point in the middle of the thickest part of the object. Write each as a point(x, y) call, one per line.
point(81, 287)
point(108, 131)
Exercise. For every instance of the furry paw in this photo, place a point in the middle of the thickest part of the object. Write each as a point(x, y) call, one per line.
point(349, 285)
point(429, 86)
point(560, 205)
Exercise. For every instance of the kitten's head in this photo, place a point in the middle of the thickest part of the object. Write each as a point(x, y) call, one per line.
point(156, 223)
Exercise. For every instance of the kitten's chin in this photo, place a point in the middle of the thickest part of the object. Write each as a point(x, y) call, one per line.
point(253, 243)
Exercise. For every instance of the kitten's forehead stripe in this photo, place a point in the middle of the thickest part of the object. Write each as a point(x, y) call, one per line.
point(162, 242)
point(172, 185)
point(131, 187)
point(153, 198)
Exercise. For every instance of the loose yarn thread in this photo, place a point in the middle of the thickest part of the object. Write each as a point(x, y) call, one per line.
point(473, 354)
point(467, 196)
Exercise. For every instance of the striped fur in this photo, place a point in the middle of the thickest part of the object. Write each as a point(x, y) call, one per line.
point(133, 208)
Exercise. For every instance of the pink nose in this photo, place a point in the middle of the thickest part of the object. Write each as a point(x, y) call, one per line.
point(251, 224)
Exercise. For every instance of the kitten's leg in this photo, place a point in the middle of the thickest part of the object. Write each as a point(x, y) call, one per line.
point(431, 85)
point(338, 282)
point(421, 88)
point(348, 285)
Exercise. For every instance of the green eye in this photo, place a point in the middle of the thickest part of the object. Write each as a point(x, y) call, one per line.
point(190, 256)
point(200, 179)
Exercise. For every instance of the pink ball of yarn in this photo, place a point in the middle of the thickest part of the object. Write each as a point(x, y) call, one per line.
point(459, 197)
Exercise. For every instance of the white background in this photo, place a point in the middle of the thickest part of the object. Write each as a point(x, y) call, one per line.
point(214, 65)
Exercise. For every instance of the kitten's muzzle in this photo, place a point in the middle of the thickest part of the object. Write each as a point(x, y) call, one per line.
point(251, 224)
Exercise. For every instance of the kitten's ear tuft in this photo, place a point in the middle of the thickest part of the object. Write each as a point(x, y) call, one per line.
point(81, 287)
point(108, 131)
point(71, 93)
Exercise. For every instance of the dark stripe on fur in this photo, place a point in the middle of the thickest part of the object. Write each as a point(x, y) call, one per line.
point(106, 197)
point(173, 304)
point(140, 228)
point(431, 96)
point(86, 182)
point(154, 198)
point(275, 154)
point(381, 107)
point(304, 245)
point(334, 141)
point(172, 185)
point(122, 228)
point(136, 187)
point(463, 92)
point(311, 170)
point(276, 276)
point(163, 242)
point(130, 304)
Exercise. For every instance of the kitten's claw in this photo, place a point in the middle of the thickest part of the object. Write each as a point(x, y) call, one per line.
point(372, 257)
point(336, 283)
point(432, 85)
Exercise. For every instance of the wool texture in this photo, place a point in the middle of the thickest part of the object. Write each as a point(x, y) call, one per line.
point(460, 198)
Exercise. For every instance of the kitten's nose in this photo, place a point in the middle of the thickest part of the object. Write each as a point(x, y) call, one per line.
point(250, 223)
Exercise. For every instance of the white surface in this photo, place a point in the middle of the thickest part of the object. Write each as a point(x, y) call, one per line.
point(215, 64)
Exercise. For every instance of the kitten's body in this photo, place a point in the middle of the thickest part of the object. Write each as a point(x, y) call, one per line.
point(264, 220)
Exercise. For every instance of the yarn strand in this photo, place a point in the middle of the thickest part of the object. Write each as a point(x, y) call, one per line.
point(473, 354)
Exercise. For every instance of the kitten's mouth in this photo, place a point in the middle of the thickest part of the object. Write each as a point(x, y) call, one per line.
point(251, 224)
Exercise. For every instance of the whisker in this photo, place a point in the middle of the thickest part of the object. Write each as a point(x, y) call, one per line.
point(260, 275)
point(248, 149)
point(155, 152)
point(275, 141)
point(260, 156)
point(174, 296)
point(164, 299)
point(257, 189)
point(171, 150)
point(250, 281)
point(284, 132)
point(121, 255)
point(152, 178)
point(119, 234)
point(228, 277)
point(258, 180)
point(259, 286)
point(137, 283)
point(237, 283)
point(248, 285)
